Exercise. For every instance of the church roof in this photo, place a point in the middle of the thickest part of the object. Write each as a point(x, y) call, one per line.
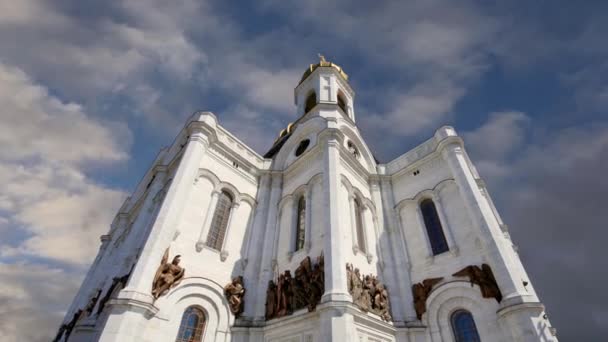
point(323, 63)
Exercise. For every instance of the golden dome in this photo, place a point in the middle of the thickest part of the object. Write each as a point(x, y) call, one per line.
point(323, 63)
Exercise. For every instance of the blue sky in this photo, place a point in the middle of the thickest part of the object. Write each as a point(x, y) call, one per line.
point(89, 92)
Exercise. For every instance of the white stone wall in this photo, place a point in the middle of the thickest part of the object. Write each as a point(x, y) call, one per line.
point(173, 205)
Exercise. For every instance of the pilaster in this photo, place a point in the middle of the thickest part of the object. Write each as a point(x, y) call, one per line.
point(266, 266)
point(333, 250)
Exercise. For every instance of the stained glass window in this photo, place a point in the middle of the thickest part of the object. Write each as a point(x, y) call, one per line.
point(433, 227)
point(215, 238)
point(464, 327)
point(301, 224)
point(192, 326)
point(359, 226)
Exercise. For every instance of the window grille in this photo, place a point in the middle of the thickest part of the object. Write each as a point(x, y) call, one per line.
point(192, 326)
point(217, 232)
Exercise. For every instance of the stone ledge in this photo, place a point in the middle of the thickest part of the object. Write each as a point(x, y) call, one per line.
point(530, 306)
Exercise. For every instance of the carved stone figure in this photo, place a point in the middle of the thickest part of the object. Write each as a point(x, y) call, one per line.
point(167, 276)
point(381, 303)
point(301, 284)
point(271, 300)
point(234, 292)
point(421, 292)
point(484, 278)
point(317, 284)
point(368, 293)
point(302, 290)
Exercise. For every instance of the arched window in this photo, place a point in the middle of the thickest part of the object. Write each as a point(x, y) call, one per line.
point(433, 227)
point(192, 326)
point(311, 101)
point(359, 226)
point(342, 103)
point(464, 327)
point(215, 239)
point(301, 224)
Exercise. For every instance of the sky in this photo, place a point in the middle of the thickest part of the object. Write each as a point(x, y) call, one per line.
point(90, 91)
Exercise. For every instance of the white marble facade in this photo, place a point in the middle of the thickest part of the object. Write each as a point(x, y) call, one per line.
point(175, 202)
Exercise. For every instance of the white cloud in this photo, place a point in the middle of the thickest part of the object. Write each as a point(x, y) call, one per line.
point(37, 125)
point(33, 300)
point(550, 191)
point(426, 105)
point(500, 135)
point(46, 196)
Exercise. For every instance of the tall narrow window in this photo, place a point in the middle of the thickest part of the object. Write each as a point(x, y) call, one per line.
point(192, 326)
point(359, 226)
point(464, 327)
point(342, 103)
point(433, 227)
point(301, 224)
point(311, 101)
point(215, 239)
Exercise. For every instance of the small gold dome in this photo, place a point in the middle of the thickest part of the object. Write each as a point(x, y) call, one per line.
point(323, 63)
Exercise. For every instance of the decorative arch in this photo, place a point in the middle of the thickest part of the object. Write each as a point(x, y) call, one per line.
point(452, 296)
point(365, 153)
point(201, 293)
point(417, 200)
point(355, 195)
point(425, 193)
point(219, 185)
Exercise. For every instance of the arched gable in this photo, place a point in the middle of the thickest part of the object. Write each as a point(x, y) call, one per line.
point(203, 293)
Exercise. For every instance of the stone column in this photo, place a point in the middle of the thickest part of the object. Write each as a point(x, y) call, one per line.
point(266, 265)
point(254, 252)
point(401, 256)
point(335, 261)
point(208, 218)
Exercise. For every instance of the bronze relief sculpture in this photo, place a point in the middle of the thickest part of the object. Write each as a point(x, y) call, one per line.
point(290, 293)
point(234, 293)
point(421, 292)
point(484, 278)
point(369, 294)
point(167, 276)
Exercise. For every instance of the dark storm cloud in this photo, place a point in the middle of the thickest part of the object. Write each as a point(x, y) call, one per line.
point(552, 195)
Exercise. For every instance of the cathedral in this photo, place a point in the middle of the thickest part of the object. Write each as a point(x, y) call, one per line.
point(314, 241)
